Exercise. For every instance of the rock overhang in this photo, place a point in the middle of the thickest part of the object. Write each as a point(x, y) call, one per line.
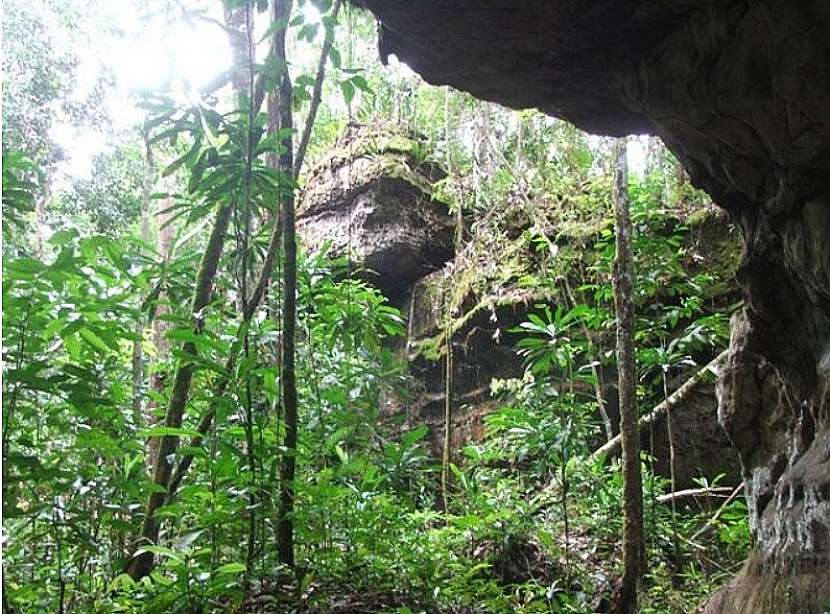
point(738, 90)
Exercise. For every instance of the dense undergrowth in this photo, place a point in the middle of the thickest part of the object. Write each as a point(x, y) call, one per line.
point(97, 282)
point(533, 523)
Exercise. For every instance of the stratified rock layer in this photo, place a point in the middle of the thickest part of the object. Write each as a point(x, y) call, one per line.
point(739, 91)
point(371, 198)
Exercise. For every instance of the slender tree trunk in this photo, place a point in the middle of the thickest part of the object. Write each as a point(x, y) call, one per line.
point(161, 343)
point(138, 348)
point(672, 474)
point(317, 93)
point(445, 456)
point(633, 549)
point(142, 564)
point(238, 28)
point(222, 385)
point(288, 464)
point(138, 373)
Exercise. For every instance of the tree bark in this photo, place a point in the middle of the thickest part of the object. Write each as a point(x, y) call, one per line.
point(633, 545)
point(445, 456)
point(288, 462)
point(160, 327)
point(138, 347)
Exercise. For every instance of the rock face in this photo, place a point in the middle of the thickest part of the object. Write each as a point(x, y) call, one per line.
point(700, 445)
point(738, 90)
point(371, 197)
point(484, 346)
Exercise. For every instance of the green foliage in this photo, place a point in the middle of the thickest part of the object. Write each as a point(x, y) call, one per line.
point(533, 524)
point(71, 458)
point(40, 58)
point(21, 187)
point(111, 197)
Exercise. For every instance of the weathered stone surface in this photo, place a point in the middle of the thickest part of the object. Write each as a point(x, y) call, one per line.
point(701, 447)
point(561, 57)
point(738, 90)
point(484, 347)
point(371, 197)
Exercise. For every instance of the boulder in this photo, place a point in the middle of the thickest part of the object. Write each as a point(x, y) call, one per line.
point(371, 198)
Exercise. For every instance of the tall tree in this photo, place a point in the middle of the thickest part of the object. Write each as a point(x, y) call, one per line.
point(623, 276)
point(273, 246)
point(288, 462)
point(142, 563)
point(448, 384)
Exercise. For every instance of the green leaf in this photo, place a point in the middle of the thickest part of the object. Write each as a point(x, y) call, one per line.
point(94, 340)
point(161, 551)
point(231, 568)
point(336, 60)
point(122, 581)
point(276, 26)
point(179, 162)
point(360, 83)
point(347, 87)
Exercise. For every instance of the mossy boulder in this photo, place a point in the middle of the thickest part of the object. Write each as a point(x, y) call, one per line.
point(371, 197)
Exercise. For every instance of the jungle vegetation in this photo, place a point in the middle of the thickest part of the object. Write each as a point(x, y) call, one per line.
point(192, 400)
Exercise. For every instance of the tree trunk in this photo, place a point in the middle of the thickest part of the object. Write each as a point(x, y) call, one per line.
point(285, 521)
point(140, 565)
point(160, 341)
point(238, 28)
point(445, 456)
point(138, 350)
point(633, 545)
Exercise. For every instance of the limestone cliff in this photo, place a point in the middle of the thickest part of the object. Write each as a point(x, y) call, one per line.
point(477, 301)
point(372, 197)
point(738, 90)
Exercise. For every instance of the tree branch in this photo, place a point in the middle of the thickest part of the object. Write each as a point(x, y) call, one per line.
point(738, 489)
point(612, 448)
point(713, 491)
point(317, 93)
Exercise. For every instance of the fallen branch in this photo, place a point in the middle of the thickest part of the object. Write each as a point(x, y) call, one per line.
point(714, 491)
point(738, 489)
point(613, 447)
